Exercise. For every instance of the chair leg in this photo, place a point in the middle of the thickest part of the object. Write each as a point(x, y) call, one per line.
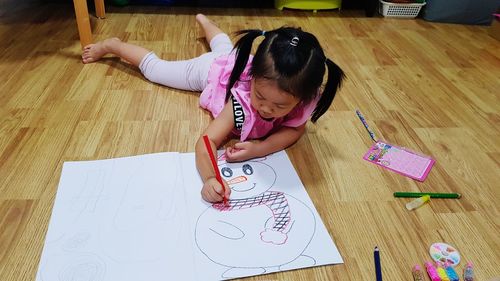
point(99, 9)
point(83, 22)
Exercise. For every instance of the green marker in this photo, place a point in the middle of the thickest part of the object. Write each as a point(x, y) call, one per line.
point(431, 194)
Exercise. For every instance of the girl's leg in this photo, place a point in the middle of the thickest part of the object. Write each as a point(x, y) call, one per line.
point(188, 74)
point(185, 74)
point(208, 26)
point(133, 53)
point(129, 52)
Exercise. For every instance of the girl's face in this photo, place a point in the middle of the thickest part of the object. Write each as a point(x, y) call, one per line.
point(269, 100)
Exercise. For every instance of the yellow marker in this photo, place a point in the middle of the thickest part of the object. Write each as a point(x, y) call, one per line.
point(418, 202)
point(442, 273)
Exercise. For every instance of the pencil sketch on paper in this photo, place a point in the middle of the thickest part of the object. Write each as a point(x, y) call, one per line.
point(113, 216)
point(142, 208)
point(259, 229)
point(138, 218)
point(85, 267)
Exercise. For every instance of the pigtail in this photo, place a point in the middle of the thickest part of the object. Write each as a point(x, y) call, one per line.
point(334, 82)
point(243, 48)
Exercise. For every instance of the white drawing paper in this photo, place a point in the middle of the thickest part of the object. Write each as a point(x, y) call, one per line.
point(142, 218)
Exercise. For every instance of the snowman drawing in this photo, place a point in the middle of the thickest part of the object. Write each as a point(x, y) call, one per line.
point(260, 230)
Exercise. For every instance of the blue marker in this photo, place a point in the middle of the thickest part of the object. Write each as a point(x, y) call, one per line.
point(378, 267)
point(452, 274)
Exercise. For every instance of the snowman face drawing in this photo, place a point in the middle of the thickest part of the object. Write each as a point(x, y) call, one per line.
point(248, 179)
point(255, 232)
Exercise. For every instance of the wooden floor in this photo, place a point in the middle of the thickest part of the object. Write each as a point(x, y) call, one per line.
point(427, 86)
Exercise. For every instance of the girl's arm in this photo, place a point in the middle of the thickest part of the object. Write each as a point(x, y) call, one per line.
point(281, 139)
point(217, 132)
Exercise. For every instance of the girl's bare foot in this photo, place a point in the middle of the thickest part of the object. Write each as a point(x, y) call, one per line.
point(202, 19)
point(94, 52)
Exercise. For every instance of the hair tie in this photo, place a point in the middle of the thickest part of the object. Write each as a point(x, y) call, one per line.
point(295, 41)
point(263, 33)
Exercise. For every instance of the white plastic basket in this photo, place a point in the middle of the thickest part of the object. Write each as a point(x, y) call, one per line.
point(400, 10)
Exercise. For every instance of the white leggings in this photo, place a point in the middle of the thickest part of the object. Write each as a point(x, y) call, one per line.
point(185, 74)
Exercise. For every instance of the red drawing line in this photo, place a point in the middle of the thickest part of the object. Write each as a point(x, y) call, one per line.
point(216, 169)
point(274, 200)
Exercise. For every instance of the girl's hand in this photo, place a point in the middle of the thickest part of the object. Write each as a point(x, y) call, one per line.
point(212, 190)
point(242, 151)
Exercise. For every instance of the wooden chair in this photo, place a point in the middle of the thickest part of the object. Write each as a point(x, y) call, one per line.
point(83, 21)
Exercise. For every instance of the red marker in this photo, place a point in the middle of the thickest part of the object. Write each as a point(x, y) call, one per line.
point(216, 168)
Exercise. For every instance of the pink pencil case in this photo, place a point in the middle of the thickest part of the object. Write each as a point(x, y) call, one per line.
point(400, 160)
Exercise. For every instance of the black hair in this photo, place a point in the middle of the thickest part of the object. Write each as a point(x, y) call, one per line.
point(294, 59)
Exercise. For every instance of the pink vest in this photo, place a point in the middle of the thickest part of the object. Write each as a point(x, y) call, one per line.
point(254, 127)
